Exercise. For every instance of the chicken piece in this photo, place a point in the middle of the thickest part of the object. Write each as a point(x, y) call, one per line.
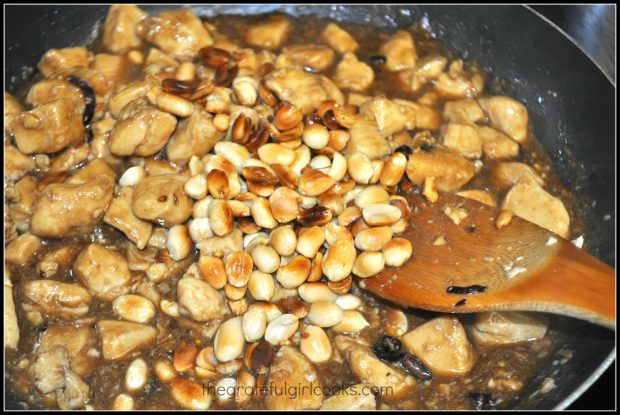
point(302, 89)
point(450, 169)
point(49, 128)
point(120, 215)
point(506, 174)
point(180, 33)
point(531, 202)
point(442, 345)
point(391, 116)
point(195, 136)
point(457, 83)
point(128, 96)
point(48, 369)
point(463, 139)
point(353, 74)
point(119, 338)
point(21, 250)
point(101, 85)
point(199, 300)
point(338, 39)
point(69, 159)
point(425, 70)
point(374, 373)
point(59, 299)
point(222, 245)
point(162, 199)
point(357, 99)
point(366, 138)
point(119, 29)
point(291, 367)
point(11, 109)
point(11, 327)
point(463, 111)
point(76, 341)
point(141, 130)
point(75, 206)
point(56, 260)
point(27, 194)
point(507, 327)
point(426, 118)
point(481, 196)
point(114, 67)
point(496, 145)
point(316, 57)
point(103, 271)
point(74, 395)
point(49, 90)
point(350, 399)
point(507, 115)
point(270, 34)
point(16, 164)
point(57, 59)
point(399, 51)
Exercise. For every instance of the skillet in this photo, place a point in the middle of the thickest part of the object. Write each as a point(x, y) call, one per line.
point(571, 104)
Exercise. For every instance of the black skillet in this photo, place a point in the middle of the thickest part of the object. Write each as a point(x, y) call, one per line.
point(570, 101)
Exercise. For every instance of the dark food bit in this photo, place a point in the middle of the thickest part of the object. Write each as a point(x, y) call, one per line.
point(387, 348)
point(214, 57)
point(471, 229)
point(426, 147)
point(460, 303)
point(89, 100)
point(482, 401)
point(472, 289)
point(405, 149)
point(413, 365)
point(377, 59)
point(177, 87)
point(225, 74)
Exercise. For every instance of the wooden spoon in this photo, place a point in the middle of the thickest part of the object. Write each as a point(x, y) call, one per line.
point(480, 268)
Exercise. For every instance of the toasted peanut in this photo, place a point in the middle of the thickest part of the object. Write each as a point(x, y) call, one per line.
point(360, 167)
point(136, 375)
point(504, 218)
point(429, 189)
point(284, 240)
point(261, 286)
point(397, 252)
point(281, 328)
point(372, 195)
point(339, 260)
point(325, 314)
point(394, 169)
point(315, 136)
point(123, 402)
point(174, 105)
point(342, 286)
point(315, 344)
point(380, 214)
point(313, 292)
point(238, 268)
point(196, 186)
point(237, 307)
point(294, 273)
point(134, 308)
point(352, 322)
point(220, 217)
point(302, 158)
point(266, 259)
point(170, 308)
point(179, 242)
point(348, 302)
point(315, 271)
point(288, 116)
point(396, 323)
point(164, 370)
point(314, 182)
point(235, 293)
point(276, 153)
point(456, 214)
point(218, 184)
point(225, 389)
point(229, 340)
point(377, 167)
point(334, 232)
point(373, 239)
point(190, 394)
point(246, 90)
point(261, 212)
point(184, 357)
point(338, 167)
point(254, 324)
point(349, 215)
point(132, 176)
point(369, 264)
point(310, 240)
point(212, 271)
point(320, 162)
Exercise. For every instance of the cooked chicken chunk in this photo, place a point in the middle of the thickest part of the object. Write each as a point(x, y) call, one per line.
point(48, 369)
point(198, 299)
point(350, 400)
point(100, 84)
point(11, 109)
point(506, 174)
point(425, 70)
point(366, 138)
point(57, 59)
point(463, 139)
point(530, 201)
point(162, 199)
point(399, 51)
point(55, 260)
point(49, 127)
point(270, 34)
point(103, 271)
point(21, 209)
point(76, 341)
point(442, 345)
point(120, 215)
point(458, 83)
point(507, 327)
point(141, 130)
point(507, 115)
point(74, 395)
point(179, 33)
point(114, 67)
point(338, 39)
point(195, 136)
point(426, 118)
point(55, 298)
point(11, 327)
point(69, 159)
point(16, 164)
point(496, 145)
point(450, 169)
point(464, 111)
point(119, 338)
point(49, 90)
point(481, 196)
point(291, 367)
point(19, 251)
point(302, 89)
point(391, 116)
point(119, 29)
point(353, 74)
point(316, 57)
point(75, 206)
